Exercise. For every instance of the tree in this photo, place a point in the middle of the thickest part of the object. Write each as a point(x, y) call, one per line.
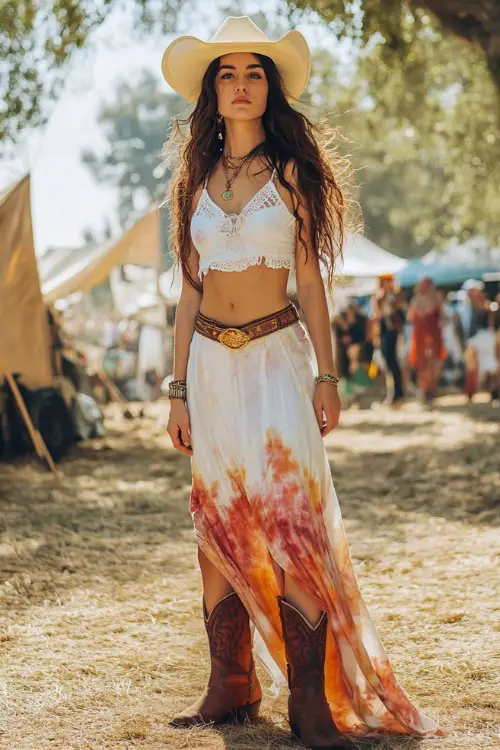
point(423, 137)
point(477, 22)
point(135, 123)
point(39, 37)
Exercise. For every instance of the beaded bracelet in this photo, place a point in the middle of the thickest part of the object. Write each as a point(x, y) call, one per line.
point(177, 389)
point(327, 378)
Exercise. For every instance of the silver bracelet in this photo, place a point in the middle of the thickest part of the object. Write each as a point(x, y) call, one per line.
point(327, 378)
point(177, 389)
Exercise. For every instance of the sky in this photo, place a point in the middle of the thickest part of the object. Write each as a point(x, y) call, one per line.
point(65, 197)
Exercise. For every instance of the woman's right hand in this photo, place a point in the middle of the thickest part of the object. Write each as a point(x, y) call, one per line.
point(179, 427)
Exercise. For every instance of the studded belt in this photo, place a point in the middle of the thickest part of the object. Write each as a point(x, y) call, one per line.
point(236, 337)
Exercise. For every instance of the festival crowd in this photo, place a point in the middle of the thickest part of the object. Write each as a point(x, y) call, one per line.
point(420, 343)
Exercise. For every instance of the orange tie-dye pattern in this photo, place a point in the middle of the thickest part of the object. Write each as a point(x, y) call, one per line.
point(264, 493)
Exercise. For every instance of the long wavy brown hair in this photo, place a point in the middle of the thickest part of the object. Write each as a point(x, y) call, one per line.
point(289, 135)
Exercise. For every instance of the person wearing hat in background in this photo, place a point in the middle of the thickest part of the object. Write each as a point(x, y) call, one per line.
point(481, 353)
point(255, 194)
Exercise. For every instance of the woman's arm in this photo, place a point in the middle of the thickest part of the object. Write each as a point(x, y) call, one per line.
point(312, 300)
point(189, 303)
point(187, 307)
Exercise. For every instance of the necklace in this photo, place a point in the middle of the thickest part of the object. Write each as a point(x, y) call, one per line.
point(228, 163)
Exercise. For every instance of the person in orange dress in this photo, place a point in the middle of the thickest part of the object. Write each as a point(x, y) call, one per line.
point(427, 352)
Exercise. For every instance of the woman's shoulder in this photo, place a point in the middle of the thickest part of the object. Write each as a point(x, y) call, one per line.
point(195, 199)
point(290, 171)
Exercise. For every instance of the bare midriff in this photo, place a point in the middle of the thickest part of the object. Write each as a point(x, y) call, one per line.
point(236, 297)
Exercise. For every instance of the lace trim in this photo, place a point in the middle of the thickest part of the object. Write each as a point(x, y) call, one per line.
point(266, 197)
point(241, 264)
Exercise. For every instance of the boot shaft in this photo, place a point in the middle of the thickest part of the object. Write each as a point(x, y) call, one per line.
point(305, 646)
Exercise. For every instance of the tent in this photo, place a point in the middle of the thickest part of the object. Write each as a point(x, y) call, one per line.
point(82, 269)
point(363, 262)
point(24, 335)
point(363, 259)
point(453, 265)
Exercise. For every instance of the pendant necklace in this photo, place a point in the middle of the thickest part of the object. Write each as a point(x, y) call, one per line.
point(228, 163)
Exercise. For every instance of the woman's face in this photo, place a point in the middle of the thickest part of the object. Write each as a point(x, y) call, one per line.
point(241, 87)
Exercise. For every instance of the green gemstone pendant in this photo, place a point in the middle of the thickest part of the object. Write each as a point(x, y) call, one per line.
point(227, 195)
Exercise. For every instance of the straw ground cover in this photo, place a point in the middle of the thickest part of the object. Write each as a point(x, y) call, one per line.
point(101, 636)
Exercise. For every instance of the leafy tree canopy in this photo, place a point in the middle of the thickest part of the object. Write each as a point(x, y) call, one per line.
point(134, 124)
point(424, 137)
point(477, 22)
point(38, 37)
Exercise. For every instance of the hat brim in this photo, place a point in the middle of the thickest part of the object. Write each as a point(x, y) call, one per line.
point(186, 59)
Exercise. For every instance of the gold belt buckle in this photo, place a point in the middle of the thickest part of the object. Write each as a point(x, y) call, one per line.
point(233, 338)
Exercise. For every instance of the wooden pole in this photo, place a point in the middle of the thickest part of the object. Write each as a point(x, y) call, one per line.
point(37, 440)
point(113, 391)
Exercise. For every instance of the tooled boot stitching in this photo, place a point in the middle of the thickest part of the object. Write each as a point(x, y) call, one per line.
point(232, 687)
point(309, 712)
point(227, 638)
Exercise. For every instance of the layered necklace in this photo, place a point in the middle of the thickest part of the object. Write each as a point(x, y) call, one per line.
point(235, 164)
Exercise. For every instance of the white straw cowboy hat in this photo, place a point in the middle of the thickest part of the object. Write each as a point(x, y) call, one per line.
point(186, 59)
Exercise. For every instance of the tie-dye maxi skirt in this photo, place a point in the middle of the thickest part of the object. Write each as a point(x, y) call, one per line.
point(262, 490)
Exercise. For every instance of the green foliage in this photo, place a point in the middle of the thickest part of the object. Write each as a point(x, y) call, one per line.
point(135, 124)
point(476, 22)
point(39, 37)
point(423, 137)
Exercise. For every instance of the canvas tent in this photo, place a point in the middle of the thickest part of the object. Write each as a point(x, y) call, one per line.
point(82, 271)
point(24, 336)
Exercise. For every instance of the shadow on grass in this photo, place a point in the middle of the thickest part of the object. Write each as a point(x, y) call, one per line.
point(462, 485)
point(123, 509)
point(263, 733)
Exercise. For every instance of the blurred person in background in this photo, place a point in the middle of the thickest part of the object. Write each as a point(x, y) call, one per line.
point(481, 348)
point(453, 340)
point(388, 311)
point(354, 349)
point(426, 353)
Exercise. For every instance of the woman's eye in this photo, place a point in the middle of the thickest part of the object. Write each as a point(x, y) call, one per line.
point(224, 75)
point(255, 75)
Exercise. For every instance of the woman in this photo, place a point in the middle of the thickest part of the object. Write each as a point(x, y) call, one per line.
point(388, 312)
point(352, 346)
point(481, 354)
point(247, 407)
point(426, 348)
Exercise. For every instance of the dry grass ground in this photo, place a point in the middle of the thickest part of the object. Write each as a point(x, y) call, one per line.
point(101, 636)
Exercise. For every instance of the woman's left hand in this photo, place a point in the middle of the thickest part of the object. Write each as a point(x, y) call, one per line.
point(327, 406)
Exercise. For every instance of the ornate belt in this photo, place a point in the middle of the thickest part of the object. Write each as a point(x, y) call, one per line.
point(238, 337)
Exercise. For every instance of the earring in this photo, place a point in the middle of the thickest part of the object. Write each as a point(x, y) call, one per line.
point(219, 120)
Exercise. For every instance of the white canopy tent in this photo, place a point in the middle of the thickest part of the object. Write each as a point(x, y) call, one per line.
point(363, 262)
point(81, 270)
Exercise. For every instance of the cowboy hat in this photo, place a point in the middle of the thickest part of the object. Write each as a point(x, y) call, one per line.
point(186, 59)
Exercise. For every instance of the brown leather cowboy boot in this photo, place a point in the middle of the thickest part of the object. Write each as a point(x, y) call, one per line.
point(233, 691)
point(308, 710)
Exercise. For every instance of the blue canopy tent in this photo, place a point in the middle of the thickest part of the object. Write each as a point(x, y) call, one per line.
point(453, 264)
point(442, 274)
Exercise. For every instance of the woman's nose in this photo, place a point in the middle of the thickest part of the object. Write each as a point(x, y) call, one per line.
point(241, 85)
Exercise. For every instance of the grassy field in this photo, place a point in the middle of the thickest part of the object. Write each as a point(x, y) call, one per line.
point(101, 636)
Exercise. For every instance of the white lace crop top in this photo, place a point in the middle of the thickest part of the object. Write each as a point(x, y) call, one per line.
point(263, 232)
